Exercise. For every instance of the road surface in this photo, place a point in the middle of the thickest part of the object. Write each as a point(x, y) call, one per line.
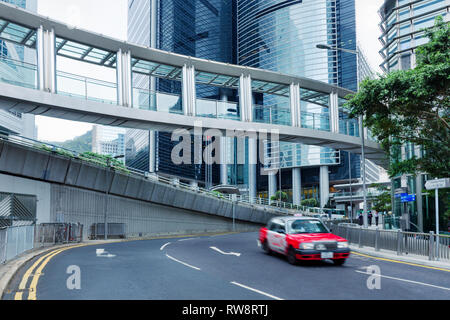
point(222, 267)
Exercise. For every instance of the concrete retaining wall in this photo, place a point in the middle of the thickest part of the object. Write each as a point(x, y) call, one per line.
point(74, 191)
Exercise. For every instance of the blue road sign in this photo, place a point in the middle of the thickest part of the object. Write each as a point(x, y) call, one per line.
point(408, 198)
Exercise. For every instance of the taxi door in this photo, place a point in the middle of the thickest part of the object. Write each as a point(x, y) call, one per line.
point(276, 237)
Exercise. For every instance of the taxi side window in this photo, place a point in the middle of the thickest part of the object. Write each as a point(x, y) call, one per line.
point(273, 226)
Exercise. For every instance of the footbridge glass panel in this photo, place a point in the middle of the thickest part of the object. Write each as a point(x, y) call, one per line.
point(271, 103)
point(156, 86)
point(85, 72)
point(315, 110)
point(293, 155)
point(18, 55)
point(347, 125)
point(217, 96)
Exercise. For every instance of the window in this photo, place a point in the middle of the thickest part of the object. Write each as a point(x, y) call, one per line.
point(406, 61)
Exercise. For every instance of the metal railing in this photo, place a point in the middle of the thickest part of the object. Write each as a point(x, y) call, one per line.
point(210, 108)
point(15, 241)
point(241, 199)
point(18, 73)
point(402, 243)
point(47, 234)
point(86, 88)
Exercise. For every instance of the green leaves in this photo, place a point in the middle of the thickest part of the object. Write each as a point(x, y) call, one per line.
point(412, 106)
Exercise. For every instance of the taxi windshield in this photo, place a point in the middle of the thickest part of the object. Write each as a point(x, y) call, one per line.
point(307, 226)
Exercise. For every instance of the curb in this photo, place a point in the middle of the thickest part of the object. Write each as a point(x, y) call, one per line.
point(395, 258)
point(14, 265)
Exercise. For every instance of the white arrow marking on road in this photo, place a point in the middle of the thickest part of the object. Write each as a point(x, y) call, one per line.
point(226, 253)
point(103, 253)
point(162, 248)
point(405, 280)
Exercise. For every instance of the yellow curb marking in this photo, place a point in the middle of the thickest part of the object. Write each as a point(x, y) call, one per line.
point(402, 262)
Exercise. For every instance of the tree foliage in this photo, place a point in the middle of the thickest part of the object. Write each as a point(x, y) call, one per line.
point(383, 201)
point(412, 106)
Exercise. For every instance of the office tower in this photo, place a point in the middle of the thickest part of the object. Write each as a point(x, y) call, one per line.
point(282, 36)
point(200, 28)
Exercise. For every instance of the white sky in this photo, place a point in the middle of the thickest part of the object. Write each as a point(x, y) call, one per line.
point(109, 17)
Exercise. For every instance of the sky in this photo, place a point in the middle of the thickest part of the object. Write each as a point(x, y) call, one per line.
point(112, 21)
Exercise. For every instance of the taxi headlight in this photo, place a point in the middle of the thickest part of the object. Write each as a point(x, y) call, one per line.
point(306, 246)
point(342, 245)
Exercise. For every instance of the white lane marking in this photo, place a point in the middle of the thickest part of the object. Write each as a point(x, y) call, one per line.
point(226, 253)
point(187, 239)
point(257, 291)
point(104, 253)
point(405, 280)
point(184, 263)
point(162, 248)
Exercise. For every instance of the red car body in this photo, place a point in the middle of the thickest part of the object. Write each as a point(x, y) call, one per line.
point(319, 246)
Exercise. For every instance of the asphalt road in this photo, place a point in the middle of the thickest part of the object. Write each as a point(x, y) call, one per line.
point(189, 269)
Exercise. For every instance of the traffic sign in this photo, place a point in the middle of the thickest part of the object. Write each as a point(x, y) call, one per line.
point(437, 184)
point(408, 198)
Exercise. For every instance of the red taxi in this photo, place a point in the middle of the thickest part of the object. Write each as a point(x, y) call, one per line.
point(303, 238)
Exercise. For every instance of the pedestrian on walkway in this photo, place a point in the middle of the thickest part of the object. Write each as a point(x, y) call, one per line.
point(361, 218)
point(370, 218)
point(376, 218)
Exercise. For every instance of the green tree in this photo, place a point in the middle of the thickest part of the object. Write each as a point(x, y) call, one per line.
point(412, 106)
point(312, 202)
point(276, 197)
point(383, 201)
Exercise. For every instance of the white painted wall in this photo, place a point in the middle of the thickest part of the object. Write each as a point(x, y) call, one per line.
point(39, 189)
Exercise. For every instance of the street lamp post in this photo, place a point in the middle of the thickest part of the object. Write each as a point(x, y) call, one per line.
point(357, 53)
point(105, 217)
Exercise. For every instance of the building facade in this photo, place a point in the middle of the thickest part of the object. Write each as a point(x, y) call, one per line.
point(274, 35)
point(109, 141)
point(200, 28)
point(14, 65)
point(282, 36)
point(402, 25)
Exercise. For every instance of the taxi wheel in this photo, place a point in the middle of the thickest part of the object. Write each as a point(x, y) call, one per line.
point(339, 262)
point(292, 259)
point(266, 248)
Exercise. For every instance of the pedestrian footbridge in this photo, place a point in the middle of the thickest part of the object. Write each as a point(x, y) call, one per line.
point(33, 80)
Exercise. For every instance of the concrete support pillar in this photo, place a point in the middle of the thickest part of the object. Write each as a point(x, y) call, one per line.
point(296, 186)
point(324, 186)
point(223, 160)
point(294, 102)
point(272, 185)
point(124, 79)
point(189, 92)
point(46, 59)
point(334, 112)
point(152, 151)
point(246, 98)
point(224, 141)
point(252, 157)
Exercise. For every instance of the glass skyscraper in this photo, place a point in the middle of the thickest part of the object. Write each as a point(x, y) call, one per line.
point(268, 34)
point(200, 28)
point(282, 36)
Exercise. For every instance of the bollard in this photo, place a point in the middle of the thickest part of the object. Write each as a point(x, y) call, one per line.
point(399, 242)
point(431, 246)
point(377, 235)
point(359, 237)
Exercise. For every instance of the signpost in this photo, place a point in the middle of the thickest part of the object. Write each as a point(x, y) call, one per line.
point(435, 185)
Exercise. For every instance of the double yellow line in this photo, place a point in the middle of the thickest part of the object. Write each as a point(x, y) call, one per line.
point(41, 262)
